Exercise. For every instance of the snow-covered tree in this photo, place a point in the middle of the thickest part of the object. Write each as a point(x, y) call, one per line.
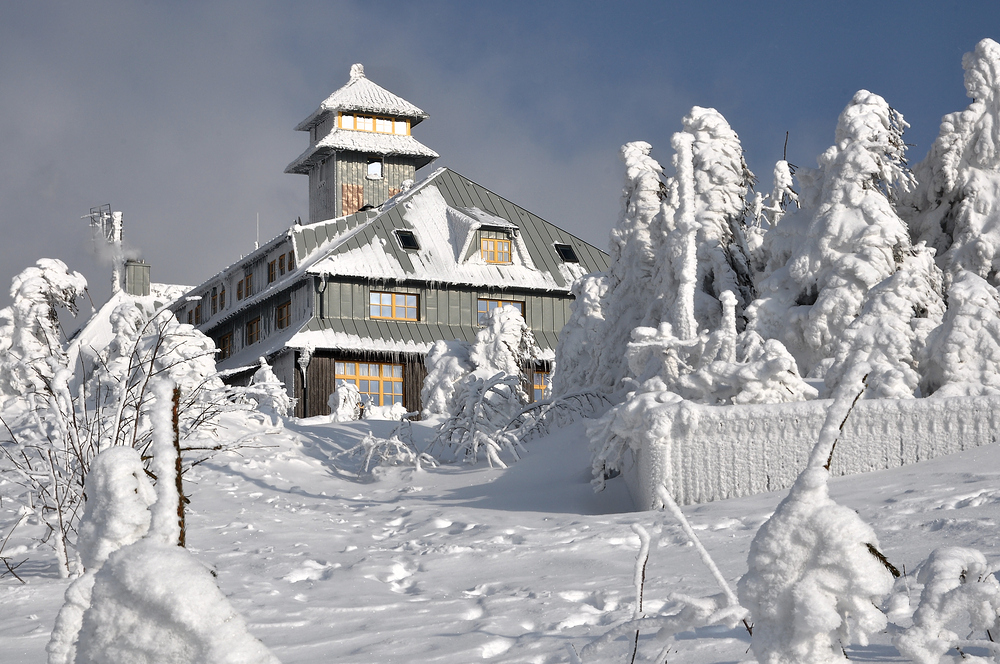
point(813, 583)
point(963, 354)
point(891, 332)
point(956, 208)
point(36, 346)
point(678, 245)
point(447, 362)
point(845, 238)
point(767, 211)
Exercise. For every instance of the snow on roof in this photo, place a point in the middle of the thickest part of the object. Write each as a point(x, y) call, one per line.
point(362, 141)
point(343, 340)
point(445, 235)
point(360, 94)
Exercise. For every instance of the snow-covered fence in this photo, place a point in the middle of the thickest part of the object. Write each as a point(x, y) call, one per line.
point(716, 452)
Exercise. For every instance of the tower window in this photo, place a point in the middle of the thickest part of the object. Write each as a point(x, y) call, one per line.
point(566, 253)
point(374, 171)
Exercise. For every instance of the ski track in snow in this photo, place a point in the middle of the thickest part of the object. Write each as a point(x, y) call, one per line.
point(465, 564)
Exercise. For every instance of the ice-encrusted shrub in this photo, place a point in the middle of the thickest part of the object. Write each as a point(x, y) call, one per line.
point(960, 592)
point(447, 362)
point(268, 393)
point(115, 515)
point(486, 399)
point(378, 452)
point(813, 583)
point(483, 408)
point(845, 238)
point(345, 403)
point(963, 354)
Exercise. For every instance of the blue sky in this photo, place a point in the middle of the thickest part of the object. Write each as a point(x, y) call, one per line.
point(180, 114)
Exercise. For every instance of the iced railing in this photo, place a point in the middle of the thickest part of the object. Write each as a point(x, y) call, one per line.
point(716, 452)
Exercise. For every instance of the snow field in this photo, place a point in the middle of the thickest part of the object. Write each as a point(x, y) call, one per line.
point(465, 564)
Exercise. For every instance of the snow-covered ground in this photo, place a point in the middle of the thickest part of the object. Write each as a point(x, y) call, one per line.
point(463, 564)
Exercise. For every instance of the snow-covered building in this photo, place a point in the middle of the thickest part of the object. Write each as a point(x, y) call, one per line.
point(385, 267)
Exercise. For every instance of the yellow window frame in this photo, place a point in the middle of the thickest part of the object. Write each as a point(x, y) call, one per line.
point(495, 250)
point(380, 383)
point(393, 306)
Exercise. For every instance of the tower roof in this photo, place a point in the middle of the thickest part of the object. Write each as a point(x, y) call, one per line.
point(361, 95)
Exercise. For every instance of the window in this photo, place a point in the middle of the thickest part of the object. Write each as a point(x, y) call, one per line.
point(566, 253)
point(190, 317)
point(281, 263)
point(541, 385)
point(222, 298)
point(253, 331)
point(197, 314)
point(407, 240)
point(215, 301)
point(374, 171)
point(248, 284)
point(272, 271)
point(239, 289)
point(380, 125)
point(397, 306)
point(225, 346)
point(379, 384)
point(495, 250)
point(486, 307)
point(283, 315)
point(291, 261)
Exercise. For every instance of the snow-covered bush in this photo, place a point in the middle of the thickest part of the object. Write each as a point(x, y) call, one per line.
point(963, 354)
point(345, 403)
point(845, 238)
point(378, 452)
point(483, 408)
point(955, 207)
point(447, 362)
point(151, 601)
point(487, 398)
point(268, 393)
point(960, 592)
point(813, 583)
point(115, 515)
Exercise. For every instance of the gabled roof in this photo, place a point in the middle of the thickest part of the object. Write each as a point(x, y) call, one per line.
point(361, 95)
point(445, 213)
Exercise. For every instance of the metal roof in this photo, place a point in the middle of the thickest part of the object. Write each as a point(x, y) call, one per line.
point(372, 251)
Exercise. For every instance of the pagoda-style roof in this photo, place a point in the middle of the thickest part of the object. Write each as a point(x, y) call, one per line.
point(361, 95)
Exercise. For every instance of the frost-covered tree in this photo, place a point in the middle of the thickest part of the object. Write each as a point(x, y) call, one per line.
point(813, 583)
point(956, 208)
point(891, 332)
point(700, 243)
point(845, 238)
point(963, 354)
point(678, 245)
point(447, 362)
point(767, 211)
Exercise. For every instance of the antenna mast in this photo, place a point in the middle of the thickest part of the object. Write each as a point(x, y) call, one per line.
point(109, 225)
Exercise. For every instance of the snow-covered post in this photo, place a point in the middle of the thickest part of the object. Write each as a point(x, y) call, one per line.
point(167, 524)
point(686, 325)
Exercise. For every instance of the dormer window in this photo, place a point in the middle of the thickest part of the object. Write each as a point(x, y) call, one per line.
point(494, 250)
point(374, 171)
point(379, 125)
